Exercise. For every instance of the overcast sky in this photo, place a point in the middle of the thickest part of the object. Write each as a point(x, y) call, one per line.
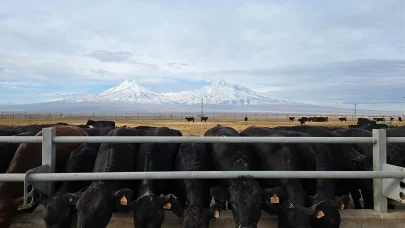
point(304, 50)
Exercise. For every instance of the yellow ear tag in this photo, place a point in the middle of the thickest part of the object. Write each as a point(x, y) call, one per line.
point(320, 214)
point(274, 199)
point(124, 201)
point(216, 214)
point(20, 207)
point(167, 206)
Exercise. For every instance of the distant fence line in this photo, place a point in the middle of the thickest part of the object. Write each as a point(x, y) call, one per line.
point(179, 116)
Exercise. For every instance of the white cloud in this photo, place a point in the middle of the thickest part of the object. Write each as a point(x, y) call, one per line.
point(301, 52)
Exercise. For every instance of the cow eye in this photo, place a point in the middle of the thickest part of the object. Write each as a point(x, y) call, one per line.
point(3, 217)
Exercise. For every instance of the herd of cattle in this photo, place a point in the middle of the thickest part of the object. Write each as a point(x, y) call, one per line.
point(298, 203)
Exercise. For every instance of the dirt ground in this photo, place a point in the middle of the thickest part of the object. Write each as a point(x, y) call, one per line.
point(187, 128)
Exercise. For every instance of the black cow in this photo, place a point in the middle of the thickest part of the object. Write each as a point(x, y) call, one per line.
point(101, 123)
point(393, 158)
point(244, 194)
point(366, 124)
point(194, 194)
point(304, 118)
point(58, 210)
point(346, 158)
point(291, 118)
point(302, 121)
point(342, 119)
point(204, 118)
point(400, 119)
point(288, 197)
point(246, 119)
point(98, 131)
point(149, 205)
point(392, 118)
point(189, 119)
point(95, 205)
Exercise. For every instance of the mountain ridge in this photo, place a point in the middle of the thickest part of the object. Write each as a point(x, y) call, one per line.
point(218, 92)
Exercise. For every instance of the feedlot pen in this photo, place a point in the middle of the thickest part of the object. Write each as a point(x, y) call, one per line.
point(387, 178)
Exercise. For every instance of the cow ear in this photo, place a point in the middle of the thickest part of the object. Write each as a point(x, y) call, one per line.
point(72, 198)
point(220, 194)
point(166, 201)
point(123, 196)
point(19, 203)
point(316, 210)
point(214, 210)
point(176, 207)
point(342, 202)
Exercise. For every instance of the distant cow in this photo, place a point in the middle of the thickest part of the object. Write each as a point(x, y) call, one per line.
point(291, 119)
point(392, 118)
point(400, 119)
point(246, 119)
point(204, 118)
point(320, 119)
point(304, 119)
point(101, 123)
point(189, 119)
point(343, 119)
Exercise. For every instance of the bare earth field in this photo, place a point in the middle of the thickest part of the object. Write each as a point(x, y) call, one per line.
point(187, 128)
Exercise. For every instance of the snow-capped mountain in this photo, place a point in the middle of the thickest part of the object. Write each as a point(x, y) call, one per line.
point(219, 92)
point(129, 91)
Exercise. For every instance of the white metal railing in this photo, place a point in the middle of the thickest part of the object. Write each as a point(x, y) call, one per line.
point(49, 139)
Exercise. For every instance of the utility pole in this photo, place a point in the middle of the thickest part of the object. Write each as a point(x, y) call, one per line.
point(202, 107)
point(355, 111)
point(64, 100)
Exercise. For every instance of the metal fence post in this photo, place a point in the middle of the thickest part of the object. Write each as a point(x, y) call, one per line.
point(379, 159)
point(48, 153)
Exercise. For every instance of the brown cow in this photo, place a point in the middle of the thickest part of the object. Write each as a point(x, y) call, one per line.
point(29, 156)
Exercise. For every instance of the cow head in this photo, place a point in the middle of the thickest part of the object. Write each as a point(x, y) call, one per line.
point(195, 215)
point(94, 206)
point(324, 214)
point(244, 198)
point(149, 210)
point(58, 211)
point(8, 208)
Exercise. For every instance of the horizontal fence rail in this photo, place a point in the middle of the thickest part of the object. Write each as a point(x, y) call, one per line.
point(208, 139)
point(201, 175)
point(194, 139)
point(189, 139)
point(20, 139)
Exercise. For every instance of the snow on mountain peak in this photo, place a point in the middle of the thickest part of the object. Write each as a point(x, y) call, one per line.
point(218, 92)
point(131, 85)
